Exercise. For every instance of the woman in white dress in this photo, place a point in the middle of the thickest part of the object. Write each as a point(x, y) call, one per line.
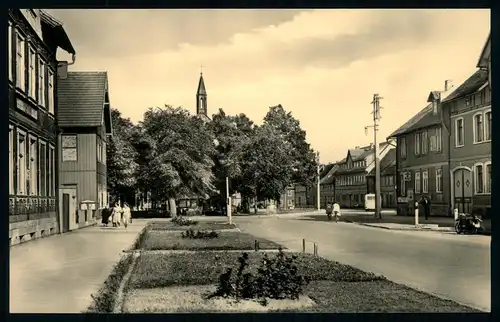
point(126, 214)
point(117, 214)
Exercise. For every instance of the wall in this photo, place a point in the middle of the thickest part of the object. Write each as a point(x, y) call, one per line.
point(82, 172)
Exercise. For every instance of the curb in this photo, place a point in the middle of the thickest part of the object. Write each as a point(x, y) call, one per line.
point(403, 229)
point(186, 251)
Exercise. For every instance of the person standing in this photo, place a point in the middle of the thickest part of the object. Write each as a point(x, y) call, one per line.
point(117, 214)
point(126, 215)
point(427, 207)
point(105, 214)
point(336, 211)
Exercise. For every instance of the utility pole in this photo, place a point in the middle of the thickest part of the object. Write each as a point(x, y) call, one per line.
point(318, 199)
point(376, 118)
point(228, 202)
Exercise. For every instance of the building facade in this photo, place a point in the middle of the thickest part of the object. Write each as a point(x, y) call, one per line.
point(287, 199)
point(422, 158)
point(387, 180)
point(327, 183)
point(350, 177)
point(33, 38)
point(85, 122)
point(469, 109)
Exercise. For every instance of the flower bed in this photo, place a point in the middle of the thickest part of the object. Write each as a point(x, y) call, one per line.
point(162, 240)
point(180, 282)
point(201, 225)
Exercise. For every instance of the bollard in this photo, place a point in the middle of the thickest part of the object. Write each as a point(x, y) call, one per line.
point(256, 245)
point(303, 245)
point(315, 249)
point(416, 213)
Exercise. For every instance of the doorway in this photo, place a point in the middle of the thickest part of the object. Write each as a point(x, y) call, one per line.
point(67, 209)
point(462, 188)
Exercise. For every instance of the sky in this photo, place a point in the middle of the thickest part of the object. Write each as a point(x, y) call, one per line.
point(322, 65)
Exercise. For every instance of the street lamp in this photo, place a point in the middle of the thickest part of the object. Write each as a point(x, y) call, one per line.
point(318, 199)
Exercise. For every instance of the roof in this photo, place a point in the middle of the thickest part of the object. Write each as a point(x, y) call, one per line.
point(358, 154)
point(81, 100)
point(471, 85)
point(329, 176)
point(201, 86)
point(387, 164)
point(57, 31)
point(485, 54)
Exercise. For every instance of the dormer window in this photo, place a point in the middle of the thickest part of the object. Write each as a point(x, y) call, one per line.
point(468, 101)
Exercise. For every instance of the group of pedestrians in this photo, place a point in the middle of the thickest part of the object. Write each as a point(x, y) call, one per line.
point(117, 215)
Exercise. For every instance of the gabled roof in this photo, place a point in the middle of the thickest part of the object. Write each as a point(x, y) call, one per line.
point(471, 85)
point(387, 164)
point(81, 100)
point(55, 28)
point(485, 54)
point(330, 175)
point(201, 86)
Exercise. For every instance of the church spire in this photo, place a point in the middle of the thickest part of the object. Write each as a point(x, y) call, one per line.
point(201, 97)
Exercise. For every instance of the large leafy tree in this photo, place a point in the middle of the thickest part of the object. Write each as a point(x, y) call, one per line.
point(121, 155)
point(179, 155)
point(303, 156)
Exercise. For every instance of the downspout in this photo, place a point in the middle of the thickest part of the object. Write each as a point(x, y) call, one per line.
point(56, 152)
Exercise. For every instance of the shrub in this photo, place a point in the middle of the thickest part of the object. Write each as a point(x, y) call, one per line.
point(183, 221)
point(276, 278)
point(190, 233)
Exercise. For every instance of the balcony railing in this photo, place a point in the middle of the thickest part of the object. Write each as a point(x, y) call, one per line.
point(31, 207)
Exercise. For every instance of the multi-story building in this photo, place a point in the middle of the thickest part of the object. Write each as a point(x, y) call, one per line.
point(422, 158)
point(387, 180)
point(85, 121)
point(287, 199)
point(351, 187)
point(300, 196)
point(470, 123)
point(327, 183)
point(33, 38)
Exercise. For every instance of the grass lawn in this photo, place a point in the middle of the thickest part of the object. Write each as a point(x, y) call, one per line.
point(334, 287)
point(201, 225)
point(162, 240)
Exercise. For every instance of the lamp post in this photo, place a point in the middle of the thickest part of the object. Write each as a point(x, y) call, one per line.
point(228, 198)
point(318, 199)
point(376, 118)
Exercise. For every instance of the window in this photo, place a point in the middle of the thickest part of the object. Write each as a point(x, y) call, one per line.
point(50, 97)
point(9, 38)
point(478, 128)
point(468, 101)
point(402, 148)
point(439, 139)
point(69, 148)
point(21, 163)
point(290, 202)
point(52, 172)
point(403, 186)
point(425, 181)
point(439, 180)
point(479, 178)
point(33, 166)
point(11, 160)
point(459, 132)
point(42, 178)
point(425, 142)
point(487, 126)
point(289, 193)
point(417, 143)
point(32, 73)
point(41, 83)
point(20, 62)
point(417, 182)
point(487, 179)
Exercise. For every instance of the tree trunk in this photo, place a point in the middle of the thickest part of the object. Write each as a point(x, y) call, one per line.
point(173, 207)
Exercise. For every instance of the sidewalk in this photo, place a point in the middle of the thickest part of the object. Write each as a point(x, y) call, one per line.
point(58, 274)
point(406, 221)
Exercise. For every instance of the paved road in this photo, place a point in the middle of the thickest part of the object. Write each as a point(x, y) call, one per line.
point(455, 267)
point(58, 274)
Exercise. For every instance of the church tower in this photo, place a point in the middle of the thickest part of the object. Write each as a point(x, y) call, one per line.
point(201, 98)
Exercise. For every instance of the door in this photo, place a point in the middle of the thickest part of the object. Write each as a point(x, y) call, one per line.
point(68, 209)
point(65, 212)
point(462, 185)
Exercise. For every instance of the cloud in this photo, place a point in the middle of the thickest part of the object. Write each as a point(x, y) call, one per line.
point(323, 65)
point(125, 32)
